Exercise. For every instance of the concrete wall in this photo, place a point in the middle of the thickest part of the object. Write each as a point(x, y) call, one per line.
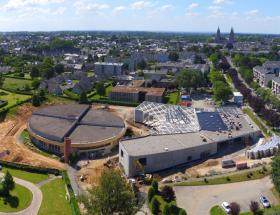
point(161, 161)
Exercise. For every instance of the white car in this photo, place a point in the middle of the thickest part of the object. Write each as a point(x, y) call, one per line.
point(264, 201)
point(226, 207)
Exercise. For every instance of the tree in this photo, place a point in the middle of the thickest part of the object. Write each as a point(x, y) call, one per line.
point(36, 101)
point(2, 80)
point(222, 91)
point(83, 98)
point(100, 89)
point(155, 206)
point(155, 185)
point(34, 73)
point(151, 194)
point(190, 79)
point(47, 68)
point(254, 207)
point(142, 65)
point(8, 183)
point(112, 196)
point(59, 68)
point(173, 56)
point(276, 171)
point(35, 83)
point(235, 208)
point(168, 193)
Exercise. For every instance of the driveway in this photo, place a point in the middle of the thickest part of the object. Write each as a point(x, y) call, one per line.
point(34, 207)
point(200, 199)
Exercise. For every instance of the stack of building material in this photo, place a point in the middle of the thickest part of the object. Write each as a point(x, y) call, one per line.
point(265, 150)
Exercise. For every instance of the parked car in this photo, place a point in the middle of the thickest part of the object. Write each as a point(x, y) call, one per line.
point(264, 201)
point(226, 207)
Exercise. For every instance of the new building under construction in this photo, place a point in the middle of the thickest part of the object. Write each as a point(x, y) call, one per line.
point(179, 135)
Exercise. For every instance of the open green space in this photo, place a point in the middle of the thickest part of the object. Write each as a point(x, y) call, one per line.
point(16, 84)
point(238, 177)
point(256, 120)
point(97, 96)
point(28, 176)
point(12, 98)
point(173, 98)
point(54, 199)
point(20, 198)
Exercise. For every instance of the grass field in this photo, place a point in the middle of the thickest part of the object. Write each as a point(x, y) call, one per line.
point(173, 98)
point(15, 84)
point(12, 98)
point(28, 176)
point(20, 198)
point(243, 176)
point(54, 199)
point(97, 96)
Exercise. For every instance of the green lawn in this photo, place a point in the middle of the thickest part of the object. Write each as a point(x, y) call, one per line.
point(54, 199)
point(28, 176)
point(97, 96)
point(12, 98)
point(243, 176)
point(16, 84)
point(256, 120)
point(20, 198)
point(173, 98)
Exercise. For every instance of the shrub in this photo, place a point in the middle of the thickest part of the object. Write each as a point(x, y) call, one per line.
point(254, 207)
point(168, 193)
point(155, 185)
point(182, 212)
point(235, 208)
point(151, 194)
point(155, 206)
point(166, 210)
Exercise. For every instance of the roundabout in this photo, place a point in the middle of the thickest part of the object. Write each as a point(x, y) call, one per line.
point(31, 201)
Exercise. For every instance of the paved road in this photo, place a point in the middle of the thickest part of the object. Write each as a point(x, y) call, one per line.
point(200, 199)
point(34, 207)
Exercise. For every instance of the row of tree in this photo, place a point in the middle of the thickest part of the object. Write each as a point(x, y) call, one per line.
point(257, 103)
point(222, 92)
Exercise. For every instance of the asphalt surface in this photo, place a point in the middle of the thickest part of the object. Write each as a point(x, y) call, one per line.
point(200, 199)
point(34, 207)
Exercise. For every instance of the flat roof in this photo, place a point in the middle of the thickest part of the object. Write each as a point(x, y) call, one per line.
point(162, 143)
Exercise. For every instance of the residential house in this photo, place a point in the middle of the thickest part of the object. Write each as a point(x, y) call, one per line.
point(266, 73)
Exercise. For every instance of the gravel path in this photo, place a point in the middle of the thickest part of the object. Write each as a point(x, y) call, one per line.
point(34, 207)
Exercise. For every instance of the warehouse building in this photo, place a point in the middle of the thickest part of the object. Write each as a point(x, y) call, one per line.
point(180, 135)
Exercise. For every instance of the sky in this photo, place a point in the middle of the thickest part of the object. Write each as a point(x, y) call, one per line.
point(245, 16)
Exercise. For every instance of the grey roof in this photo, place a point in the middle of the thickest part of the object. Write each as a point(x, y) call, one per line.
point(162, 143)
point(79, 122)
point(211, 121)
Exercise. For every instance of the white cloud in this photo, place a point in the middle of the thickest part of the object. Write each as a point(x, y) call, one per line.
point(219, 1)
point(167, 7)
point(192, 14)
point(21, 4)
point(82, 6)
point(253, 12)
point(119, 9)
point(192, 6)
point(139, 5)
point(59, 11)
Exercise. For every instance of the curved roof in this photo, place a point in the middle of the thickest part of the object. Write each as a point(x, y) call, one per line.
point(79, 122)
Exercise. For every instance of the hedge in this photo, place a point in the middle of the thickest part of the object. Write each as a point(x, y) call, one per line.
point(15, 77)
point(30, 168)
point(3, 103)
point(17, 91)
point(73, 201)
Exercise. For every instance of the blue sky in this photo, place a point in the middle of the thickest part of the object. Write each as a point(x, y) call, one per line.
point(257, 16)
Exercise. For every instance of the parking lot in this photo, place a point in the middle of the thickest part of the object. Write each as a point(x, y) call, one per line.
point(200, 199)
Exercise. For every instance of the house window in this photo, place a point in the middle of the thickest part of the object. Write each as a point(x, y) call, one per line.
point(121, 153)
point(189, 158)
point(143, 161)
